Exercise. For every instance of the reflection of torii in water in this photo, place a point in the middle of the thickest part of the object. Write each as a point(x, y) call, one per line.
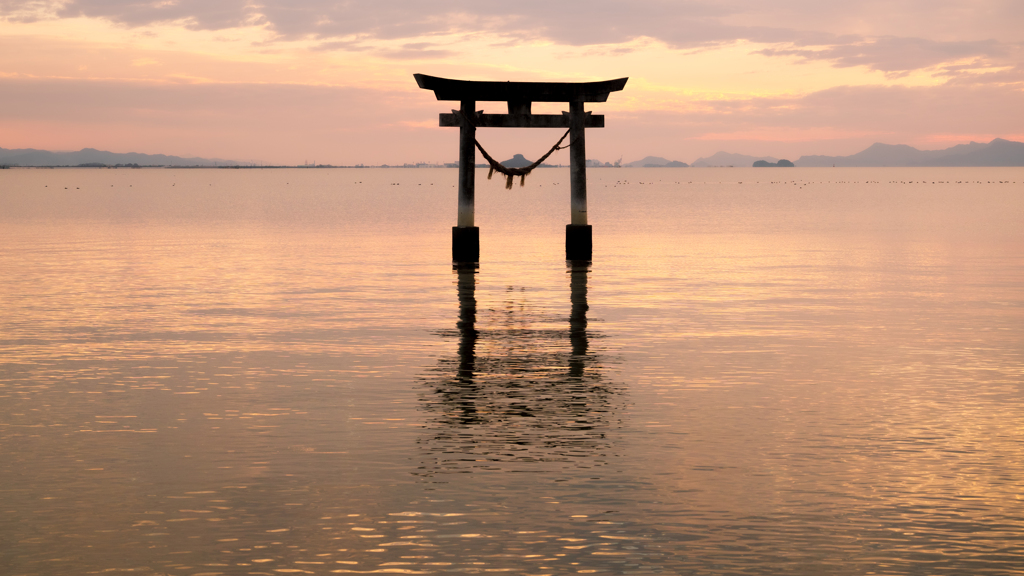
point(516, 394)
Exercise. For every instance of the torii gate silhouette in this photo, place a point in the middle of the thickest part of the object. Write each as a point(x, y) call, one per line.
point(519, 96)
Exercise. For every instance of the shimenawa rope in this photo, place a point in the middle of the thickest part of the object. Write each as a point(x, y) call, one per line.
point(511, 173)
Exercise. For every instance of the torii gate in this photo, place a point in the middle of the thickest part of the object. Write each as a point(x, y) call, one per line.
point(519, 96)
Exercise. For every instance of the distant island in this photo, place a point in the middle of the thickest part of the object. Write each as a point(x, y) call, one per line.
point(520, 161)
point(780, 164)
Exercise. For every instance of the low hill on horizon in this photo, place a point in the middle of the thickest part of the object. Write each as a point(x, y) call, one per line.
point(655, 161)
point(33, 157)
point(729, 159)
point(517, 161)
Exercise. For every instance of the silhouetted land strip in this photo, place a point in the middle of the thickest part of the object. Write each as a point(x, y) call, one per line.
point(998, 152)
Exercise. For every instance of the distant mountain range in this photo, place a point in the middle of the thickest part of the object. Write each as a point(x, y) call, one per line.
point(998, 152)
point(91, 156)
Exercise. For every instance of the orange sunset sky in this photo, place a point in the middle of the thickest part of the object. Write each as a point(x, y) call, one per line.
point(329, 81)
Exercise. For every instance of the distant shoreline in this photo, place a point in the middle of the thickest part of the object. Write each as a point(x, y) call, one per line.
point(478, 167)
point(997, 153)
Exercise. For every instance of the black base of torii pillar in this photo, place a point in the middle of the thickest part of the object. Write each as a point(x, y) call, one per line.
point(579, 242)
point(465, 244)
point(519, 96)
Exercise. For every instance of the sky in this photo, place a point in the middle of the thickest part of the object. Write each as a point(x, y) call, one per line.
point(288, 81)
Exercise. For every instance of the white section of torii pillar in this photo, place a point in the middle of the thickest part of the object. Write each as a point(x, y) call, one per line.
point(577, 167)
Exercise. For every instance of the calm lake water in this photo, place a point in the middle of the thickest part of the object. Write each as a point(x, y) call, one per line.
point(802, 371)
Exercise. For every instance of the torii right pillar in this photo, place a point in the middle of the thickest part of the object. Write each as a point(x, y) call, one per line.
point(579, 238)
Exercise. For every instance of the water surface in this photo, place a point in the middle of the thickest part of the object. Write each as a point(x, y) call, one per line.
point(805, 371)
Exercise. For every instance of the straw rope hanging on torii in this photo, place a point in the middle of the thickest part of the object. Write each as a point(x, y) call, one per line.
point(511, 173)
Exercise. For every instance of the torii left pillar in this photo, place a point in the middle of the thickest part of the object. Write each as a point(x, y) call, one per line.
point(579, 237)
point(466, 235)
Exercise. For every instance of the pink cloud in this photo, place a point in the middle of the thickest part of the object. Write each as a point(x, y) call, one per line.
point(851, 33)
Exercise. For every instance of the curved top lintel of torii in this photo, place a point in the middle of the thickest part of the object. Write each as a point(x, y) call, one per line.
point(478, 91)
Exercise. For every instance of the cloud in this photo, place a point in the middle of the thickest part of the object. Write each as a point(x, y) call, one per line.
point(416, 54)
point(109, 100)
point(892, 114)
point(684, 23)
point(194, 14)
point(891, 54)
point(407, 51)
point(969, 75)
point(344, 45)
point(892, 36)
point(26, 11)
